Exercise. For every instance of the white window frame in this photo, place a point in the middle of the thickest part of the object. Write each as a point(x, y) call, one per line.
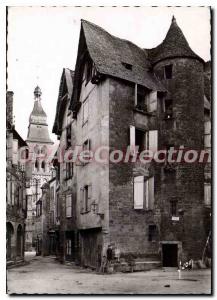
point(207, 194)
point(143, 192)
point(68, 206)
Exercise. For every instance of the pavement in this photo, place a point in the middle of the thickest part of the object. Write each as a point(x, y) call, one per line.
point(45, 275)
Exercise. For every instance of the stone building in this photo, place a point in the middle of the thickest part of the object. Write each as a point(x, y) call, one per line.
point(40, 149)
point(65, 210)
point(124, 96)
point(16, 177)
point(46, 224)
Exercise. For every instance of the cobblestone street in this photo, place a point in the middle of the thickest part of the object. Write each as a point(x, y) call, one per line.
point(43, 275)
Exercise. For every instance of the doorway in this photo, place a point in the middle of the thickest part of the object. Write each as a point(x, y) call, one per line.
point(170, 255)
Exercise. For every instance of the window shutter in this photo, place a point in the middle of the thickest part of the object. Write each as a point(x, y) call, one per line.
point(12, 194)
point(68, 206)
point(81, 200)
point(135, 94)
point(152, 101)
point(138, 192)
point(89, 197)
point(15, 152)
point(207, 194)
point(207, 140)
point(132, 139)
point(207, 127)
point(151, 193)
point(153, 140)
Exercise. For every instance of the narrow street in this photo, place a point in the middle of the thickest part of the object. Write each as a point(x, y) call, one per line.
point(44, 275)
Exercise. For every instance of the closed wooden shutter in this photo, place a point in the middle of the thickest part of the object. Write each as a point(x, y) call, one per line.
point(81, 200)
point(151, 193)
point(153, 140)
point(152, 101)
point(89, 197)
point(138, 192)
point(13, 193)
point(132, 139)
point(68, 206)
point(207, 194)
point(15, 152)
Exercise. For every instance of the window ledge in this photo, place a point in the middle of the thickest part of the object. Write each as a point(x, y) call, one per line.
point(85, 212)
point(143, 112)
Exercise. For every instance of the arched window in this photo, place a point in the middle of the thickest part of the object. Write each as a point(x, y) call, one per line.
point(36, 165)
point(37, 149)
point(43, 166)
point(44, 150)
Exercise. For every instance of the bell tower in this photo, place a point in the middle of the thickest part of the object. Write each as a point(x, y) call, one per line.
point(40, 146)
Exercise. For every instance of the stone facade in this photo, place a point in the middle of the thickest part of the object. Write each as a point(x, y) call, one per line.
point(40, 149)
point(104, 108)
point(16, 204)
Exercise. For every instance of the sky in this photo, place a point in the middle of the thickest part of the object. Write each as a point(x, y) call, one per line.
point(44, 40)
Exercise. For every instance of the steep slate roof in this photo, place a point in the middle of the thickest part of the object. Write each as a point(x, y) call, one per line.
point(109, 53)
point(66, 81)
point(174, 45)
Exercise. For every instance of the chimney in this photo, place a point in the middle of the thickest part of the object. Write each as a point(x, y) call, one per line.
point(9, 108)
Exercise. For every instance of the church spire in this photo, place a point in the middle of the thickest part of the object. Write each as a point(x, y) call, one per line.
point(38, 127)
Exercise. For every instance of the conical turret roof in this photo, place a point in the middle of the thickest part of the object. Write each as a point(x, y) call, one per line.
point(174, 45)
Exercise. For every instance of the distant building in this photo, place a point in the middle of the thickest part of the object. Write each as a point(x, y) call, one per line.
point(16, 202)
point(66, 206)
point(122, 96)
point(40, 148)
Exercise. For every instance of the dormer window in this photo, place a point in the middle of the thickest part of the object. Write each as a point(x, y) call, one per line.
point(127, 65)
point(168, 71)
point(145, 100)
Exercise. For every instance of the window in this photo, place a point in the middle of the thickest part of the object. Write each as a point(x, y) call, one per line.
point(168, 70)
point(58, 206)
point(145, 99)
point(68, 136)
point(36, 165)
point(143, 193)
point(127, 65)
point(152, 233)
point(15, 152)
point(168, 108)
point(172, 157)
point(69, 170)
point(173, 207)
point(145, 140)
point(51, 218)
point(141, 139)
point(68, 247)
point(207, 194)
point(68, 206)
point(86, 147)
point(85, 112)
point(85, 198)
point(43, 166)
point(44, 150)
point(39, 208)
